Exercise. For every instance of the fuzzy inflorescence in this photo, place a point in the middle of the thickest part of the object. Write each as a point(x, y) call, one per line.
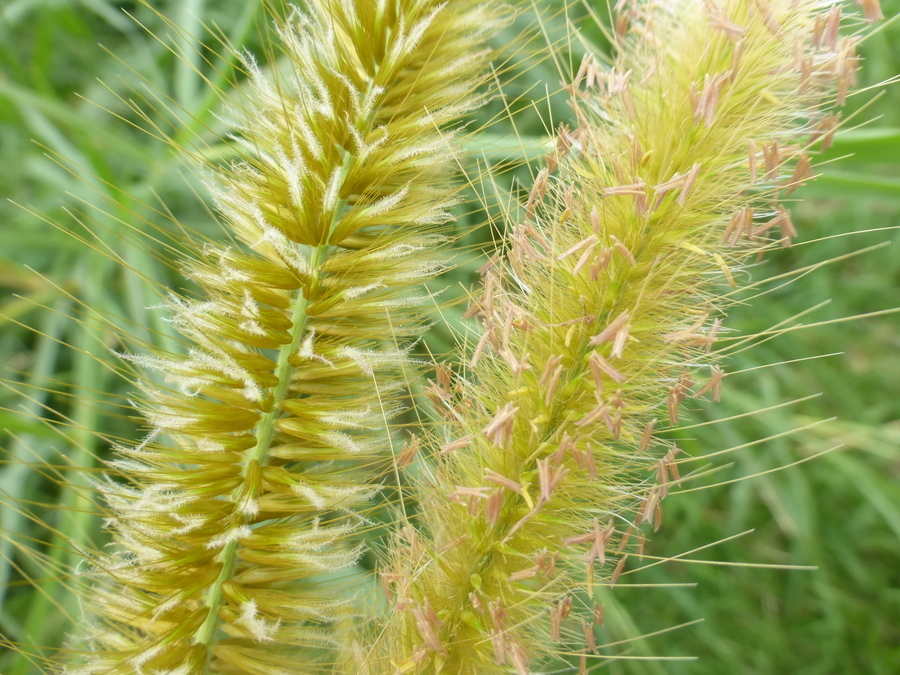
point(233, 522)
point(599, 323)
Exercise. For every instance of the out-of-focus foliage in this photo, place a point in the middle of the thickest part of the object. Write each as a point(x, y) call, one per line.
point(68, 155)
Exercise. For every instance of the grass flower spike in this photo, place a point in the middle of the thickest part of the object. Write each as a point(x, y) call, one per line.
point(600, 323)
point(233, 521)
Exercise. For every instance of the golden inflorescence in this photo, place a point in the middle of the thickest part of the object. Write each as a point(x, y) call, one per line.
point(233, 524)
point(600, 322)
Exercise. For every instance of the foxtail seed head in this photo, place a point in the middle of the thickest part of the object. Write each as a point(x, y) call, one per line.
point(600, 325)
point(233, 523)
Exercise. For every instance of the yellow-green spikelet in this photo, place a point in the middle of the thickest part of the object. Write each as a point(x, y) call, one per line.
point(598, 323)
point(230, 522)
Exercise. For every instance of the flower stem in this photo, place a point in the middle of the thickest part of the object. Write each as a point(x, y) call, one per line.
point(260, 453)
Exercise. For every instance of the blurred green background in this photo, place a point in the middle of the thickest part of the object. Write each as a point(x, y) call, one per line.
point(93, 237)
